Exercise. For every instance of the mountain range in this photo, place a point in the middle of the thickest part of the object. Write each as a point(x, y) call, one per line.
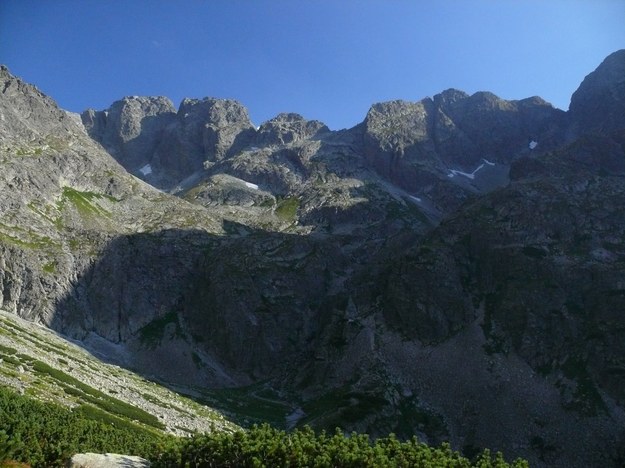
point(451, 268)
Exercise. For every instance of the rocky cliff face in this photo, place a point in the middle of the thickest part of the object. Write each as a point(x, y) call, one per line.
point(64, 201)
point(449, 268)
point(598, 105)
point(454, 145)
point(131, 128)
point(153, 141)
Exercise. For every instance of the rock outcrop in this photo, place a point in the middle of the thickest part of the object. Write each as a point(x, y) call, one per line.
point(154, 142)
point(288, 128)
point(107, 460)
point(131, 128)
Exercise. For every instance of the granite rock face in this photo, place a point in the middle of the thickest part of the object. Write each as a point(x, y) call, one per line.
point(64, 200)
point(455, 142)
point(153, 141)
point(28, 114)
point(288, 128)
point(131, 128)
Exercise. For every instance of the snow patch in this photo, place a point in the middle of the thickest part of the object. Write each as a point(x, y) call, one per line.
point(417, 199)
point(145, 170)
point(533, 144)
point(251, 185)
point(488, 162)
point(471, 175)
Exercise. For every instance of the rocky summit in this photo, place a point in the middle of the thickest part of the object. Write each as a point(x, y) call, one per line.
point(451, 268)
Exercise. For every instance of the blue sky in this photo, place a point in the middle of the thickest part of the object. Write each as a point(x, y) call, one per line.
point(327, 60)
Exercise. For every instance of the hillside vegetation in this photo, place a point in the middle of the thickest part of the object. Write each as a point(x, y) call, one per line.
point(47, 435)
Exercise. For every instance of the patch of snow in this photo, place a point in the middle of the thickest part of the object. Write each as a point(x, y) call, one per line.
point(145, 170)
point(454, 172)
point(417, 199)
point(186, 115)
point(533, 144)
point(254, 148)
point(488, 162)
point(251, 185)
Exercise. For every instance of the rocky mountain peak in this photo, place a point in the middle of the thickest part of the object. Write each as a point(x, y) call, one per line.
point(449, 97)
point(128, 128)
point(598, 105)
point(214, 112)
point(487, 100)
point(164, 146)
point(398, 122)
point(27, 114)
point(456, 144)
point(288, 128)
point(209, 129)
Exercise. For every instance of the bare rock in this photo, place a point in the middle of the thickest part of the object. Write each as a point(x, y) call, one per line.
point(288, 128)
point(108, 460)
point(131, 128)
point(598, 105)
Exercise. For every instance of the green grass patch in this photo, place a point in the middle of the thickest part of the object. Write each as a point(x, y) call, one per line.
point(25, 239)
point(96, 414)
point(117, 407)
point(155, 400)
point(339, 407)
point(60, 376)
point(37, 341)
point(36, 209)
point(24, 151)
point(7, 350)
point(267, 203)
point(85, 202)
point(105, 402)
point(252, 404)
point(10, 359)
point(286, 209)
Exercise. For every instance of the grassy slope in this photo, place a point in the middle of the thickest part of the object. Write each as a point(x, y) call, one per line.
point(39, 363)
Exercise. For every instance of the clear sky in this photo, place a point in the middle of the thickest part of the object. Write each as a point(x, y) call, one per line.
point(327, 60)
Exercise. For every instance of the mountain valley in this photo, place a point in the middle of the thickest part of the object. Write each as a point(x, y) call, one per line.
point(450, 268)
